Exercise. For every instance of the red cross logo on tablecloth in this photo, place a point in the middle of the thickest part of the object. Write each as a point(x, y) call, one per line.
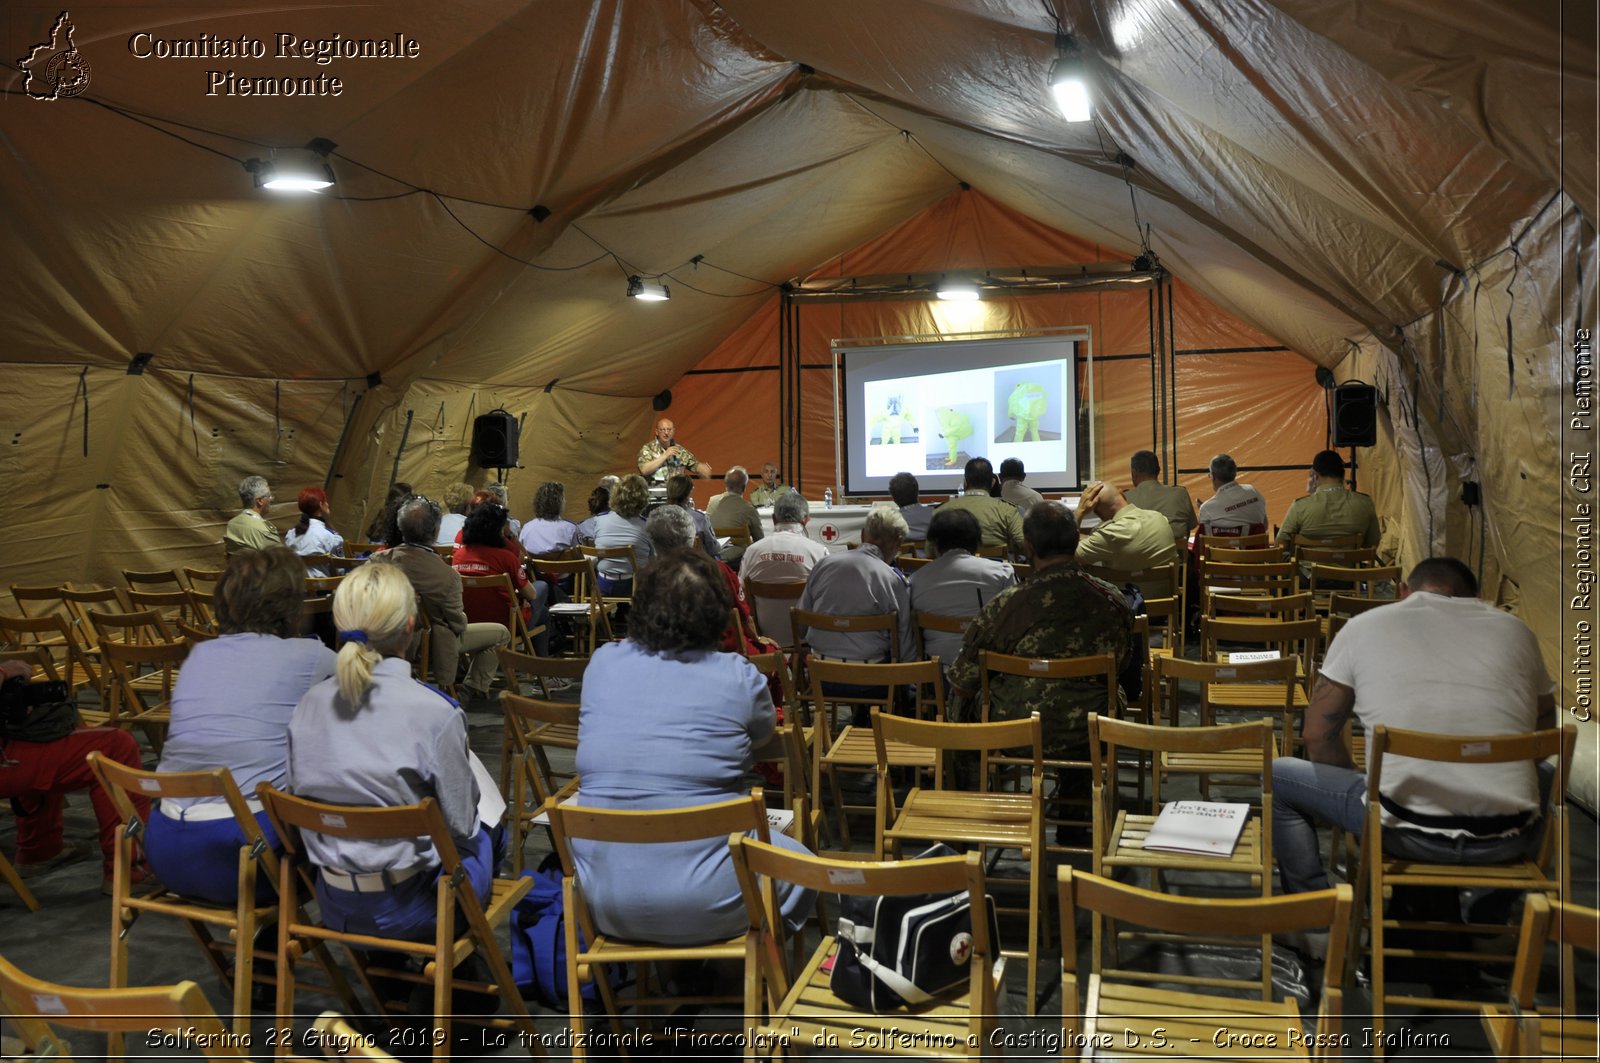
point(828, 533)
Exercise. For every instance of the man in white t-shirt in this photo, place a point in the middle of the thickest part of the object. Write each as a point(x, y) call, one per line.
point(785, 556)
point(1440, 661)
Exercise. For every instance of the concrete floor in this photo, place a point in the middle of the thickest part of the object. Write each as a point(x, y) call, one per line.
point(67, 941)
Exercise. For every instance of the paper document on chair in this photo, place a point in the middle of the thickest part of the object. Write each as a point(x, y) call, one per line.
point(778, 819)
point(1205, 828)
point(491, 806)
point(569, 609)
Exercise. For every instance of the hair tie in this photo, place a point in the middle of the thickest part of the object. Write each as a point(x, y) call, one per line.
point(354, 636)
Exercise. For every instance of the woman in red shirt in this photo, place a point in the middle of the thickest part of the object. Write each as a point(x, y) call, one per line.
point(485, 550)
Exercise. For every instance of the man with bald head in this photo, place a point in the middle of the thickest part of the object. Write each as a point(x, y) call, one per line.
point(664, 453)
point(1127, 538)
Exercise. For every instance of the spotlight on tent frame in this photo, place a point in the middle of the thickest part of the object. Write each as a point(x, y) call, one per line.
point(302, 170)
point(958, 291)
point(1069, 82)
point(648, 291)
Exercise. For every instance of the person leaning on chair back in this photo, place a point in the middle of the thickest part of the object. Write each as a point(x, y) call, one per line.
point(1439, 660)
point(374, 736)
point(220, 722)
point(668, 721)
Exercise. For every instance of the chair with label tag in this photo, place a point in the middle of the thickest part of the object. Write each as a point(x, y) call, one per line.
point(257, 905)
point(1178, 836)
point(1227, 769)
point(465, 924)
point(986, 817)
point(1262, 638)
point(790, 1007)
point(1120, 1014)
point(1545, 869)
point(583, 604)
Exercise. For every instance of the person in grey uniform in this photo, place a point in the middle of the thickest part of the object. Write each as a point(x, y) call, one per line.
point(374, 736)
point(955, 582)
point(862, 583)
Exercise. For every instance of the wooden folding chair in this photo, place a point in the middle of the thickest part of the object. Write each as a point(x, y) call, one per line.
point(142, 676)
point(238, 924)
point(1178, 1024)
point(1245, 555)
point(174, 606)
point(137, 627)
point(1319, 551)
point(458, 907)
point(777, 624)
point(1233, 768)
point(790, 1007)
point(521, 634)
point(1323, 581)
point(532, 727)
point(799, 749)
point(1120, 835)
point(1548, 871)
point(34, 1005)
point(584, 603)
point(983, 817)
point(596, 554)
point(852, 748)
point(1262, 635)
point(161, 579)
point(1518, 1030)
point(590, 955)
point(944, 624)
point(1098, 673)
point(1205, 542)
point(56, 641)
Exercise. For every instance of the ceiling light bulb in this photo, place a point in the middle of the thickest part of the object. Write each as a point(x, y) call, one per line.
point(648, 291)
point(1071, 88)
point(298, 178)
point(959, 291)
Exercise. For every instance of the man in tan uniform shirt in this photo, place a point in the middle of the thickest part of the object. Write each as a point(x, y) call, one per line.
point(1330, 510)
point(997, 518)
point(1149, 492)
point(730, 510)
point(1128, 538)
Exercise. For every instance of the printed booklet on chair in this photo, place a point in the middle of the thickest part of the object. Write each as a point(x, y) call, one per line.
point(1204, 828)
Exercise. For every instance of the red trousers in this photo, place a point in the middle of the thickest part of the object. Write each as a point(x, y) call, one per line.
point(38, 775)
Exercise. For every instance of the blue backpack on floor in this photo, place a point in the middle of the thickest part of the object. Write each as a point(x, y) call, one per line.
point(539, 943)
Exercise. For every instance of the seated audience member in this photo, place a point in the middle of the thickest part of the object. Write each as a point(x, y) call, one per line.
point(623, 526)
point(1235, 508)
point(680, 492)
point(955, 583)
point(549, 534)
point(220, 722)
point(455, 500)
point(785, 556)
point(1058, 611)
point(669, 527)
point(862, 583)
point(1330, 510)
point(999, 521)
point(1439, 660)
point(1148, 492)
point(502, 495)
point(1013, 490)
point(667, 721)
point(483, 552)
point(730, 510)
point(903, 488)
point(249, 529)
point(772, 486)
point(37, 776)
point(439, 588)
point(1128, 538)
point(312, 535)
point(382, 529)
point(599, 503)
point(374, 736)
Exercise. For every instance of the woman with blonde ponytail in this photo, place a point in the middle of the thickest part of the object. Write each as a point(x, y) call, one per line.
point(374, 736)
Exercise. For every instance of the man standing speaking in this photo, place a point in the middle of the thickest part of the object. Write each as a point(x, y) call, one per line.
point(664, 453)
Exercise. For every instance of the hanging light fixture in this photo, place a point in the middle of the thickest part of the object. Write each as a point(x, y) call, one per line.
point(306, 170)
point(648, 291)
point(1069, 81)
point(958, 291)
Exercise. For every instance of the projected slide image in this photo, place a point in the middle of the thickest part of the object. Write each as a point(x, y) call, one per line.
point(1028, 404)
point(955, 434)
point(893, 418)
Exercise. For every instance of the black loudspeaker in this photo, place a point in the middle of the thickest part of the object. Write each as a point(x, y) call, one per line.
point(494, 440)
point(1355, 415)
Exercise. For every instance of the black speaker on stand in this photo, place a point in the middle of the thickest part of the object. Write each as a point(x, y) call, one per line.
point(1355, 415)
point(494, 440)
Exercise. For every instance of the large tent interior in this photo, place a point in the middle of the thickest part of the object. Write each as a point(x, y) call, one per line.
point(1401, 193)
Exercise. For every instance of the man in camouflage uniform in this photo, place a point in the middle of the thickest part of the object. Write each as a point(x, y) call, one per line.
point(664, 455)
point(1058, 611)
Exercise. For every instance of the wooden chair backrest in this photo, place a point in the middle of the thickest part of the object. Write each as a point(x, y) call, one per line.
point(291, 814)
point(1161, 580)
point(737, 535)
point(850, 625)
point(157, 578)
point(775, 664)
point(1366, 578)
point(343, 565)
point(523, 715)
point(36, 1004)
point(1204, 543)
point(1309, 551)
point(44, 600)
point(909, 563)
point(1100, 666)
point(527, 665)
point(323, 584)
point(984, 738)
point(1547, 920)
point(1245, 555)
point(925, 678)
point(1107, 736)
point(1288, 636)
point(1285, 606)
point(648, 826)
point(139, 627)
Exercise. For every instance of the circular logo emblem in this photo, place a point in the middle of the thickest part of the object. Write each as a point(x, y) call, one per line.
point(68, 74)
point(828, 533)
point(961, 948)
